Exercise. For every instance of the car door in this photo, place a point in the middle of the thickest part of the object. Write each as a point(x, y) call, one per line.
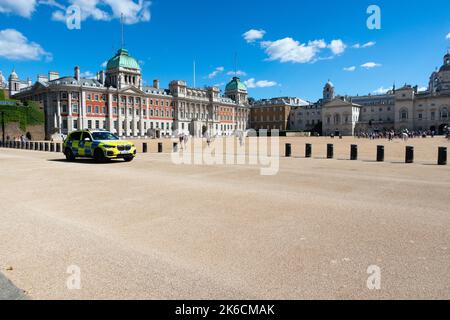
point(85, 147)
point(74, 142)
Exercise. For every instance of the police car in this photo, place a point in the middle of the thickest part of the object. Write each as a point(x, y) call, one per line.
point(99, 145)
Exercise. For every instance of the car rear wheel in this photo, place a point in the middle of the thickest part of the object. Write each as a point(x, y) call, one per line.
point(99, 156)
point(69, 155)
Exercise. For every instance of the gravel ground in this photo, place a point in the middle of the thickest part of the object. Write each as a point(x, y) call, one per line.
point(151, 229)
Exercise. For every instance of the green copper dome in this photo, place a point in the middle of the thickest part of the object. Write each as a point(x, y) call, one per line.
point(236, 84)
point(122, 59)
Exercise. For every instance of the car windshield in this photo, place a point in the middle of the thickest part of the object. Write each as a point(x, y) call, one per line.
point(97, 136)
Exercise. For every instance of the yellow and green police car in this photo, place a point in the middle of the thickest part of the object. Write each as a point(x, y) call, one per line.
point(99, 145)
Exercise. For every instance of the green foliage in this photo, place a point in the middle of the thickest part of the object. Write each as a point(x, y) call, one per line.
point(2, 95)
point(26, 115)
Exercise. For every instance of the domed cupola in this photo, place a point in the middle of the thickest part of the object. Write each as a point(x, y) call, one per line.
point(446, 65)
point(123, 70)
point(237, 91)
point(328, 92)
point(122, 59)
point(13, 75)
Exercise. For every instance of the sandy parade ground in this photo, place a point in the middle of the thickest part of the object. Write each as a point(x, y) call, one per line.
point(159, 230)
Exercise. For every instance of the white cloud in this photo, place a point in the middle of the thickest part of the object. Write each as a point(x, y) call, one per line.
point(24, 8)
point(238, 73)
point(134, 11)
point(52, 3)
point(370, 65)
point(103, 65)
point(15, 46)
point(364, 46)
point(88, 75)
point(448, 37)
point(252, 83)
point(253, 35)
point(350, 69)
point(337, 47)
point(421, 89)
point(290, 50)
point(217, 71)
point(381, 90)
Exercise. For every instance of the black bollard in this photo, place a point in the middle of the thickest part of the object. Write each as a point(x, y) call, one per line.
point(52, 147)
point(46, 146)
point(22, 145)
point(442, 156)
point(27, 145)
point(144, 147)
point(330, 151)
point(288, 150)
point(175, 147)
point(160, 147)
point(36, 146)
point(308, 150)
point(380, 153)
point(58, 147)
point(409, 156)
point(354, 152)
point(41, 146)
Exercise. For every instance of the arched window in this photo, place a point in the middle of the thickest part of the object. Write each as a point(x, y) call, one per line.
point(403, 114)
point(444, 113)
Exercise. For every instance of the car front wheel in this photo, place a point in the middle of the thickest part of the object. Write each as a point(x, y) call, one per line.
point(128, 159)
point(99, 156)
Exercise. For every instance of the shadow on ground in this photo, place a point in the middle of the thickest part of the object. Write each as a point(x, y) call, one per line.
point(87, 161)
point(8, 291)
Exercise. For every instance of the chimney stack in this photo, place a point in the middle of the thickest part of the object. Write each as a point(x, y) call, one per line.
point(156, 84)
point(77, 73)
point(53, 75)
point(102, 77)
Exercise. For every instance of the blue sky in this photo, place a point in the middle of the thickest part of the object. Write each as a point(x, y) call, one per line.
point(301, 44)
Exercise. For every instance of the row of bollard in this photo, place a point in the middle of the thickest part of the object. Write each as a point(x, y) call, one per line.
point(32, 145)
point(409, 154)
point(160, 147)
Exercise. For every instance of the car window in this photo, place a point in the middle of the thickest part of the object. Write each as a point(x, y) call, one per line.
point(99, 136)
point(86, 135)
point(76, 136)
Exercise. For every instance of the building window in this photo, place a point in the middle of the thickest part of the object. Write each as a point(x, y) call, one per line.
point(96, 110)
point(96, 97)
point(89, 109)
point(404, 114)
point(444, 114)
point(75, 108)
point(115, 110)
point(75, 124)
point(89, 124)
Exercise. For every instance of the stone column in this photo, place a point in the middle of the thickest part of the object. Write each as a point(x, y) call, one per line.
point(119, 116)
point(69, 110)
point(141, 119)
point(110, 115)
point(58, 112)
point(82, 110)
